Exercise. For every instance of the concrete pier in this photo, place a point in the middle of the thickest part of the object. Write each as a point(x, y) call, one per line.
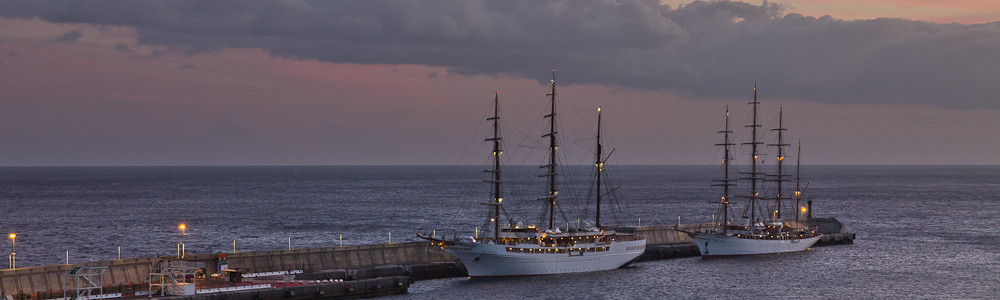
point(417, 260)
point(135, 271)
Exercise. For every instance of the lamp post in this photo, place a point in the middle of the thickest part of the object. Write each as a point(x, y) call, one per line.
point(180, 245)
point(13, 254)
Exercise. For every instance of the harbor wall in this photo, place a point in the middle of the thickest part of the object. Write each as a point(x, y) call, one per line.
point(667, 234)
point(51, 279)
point(416, 259)
point(364, 260)
point(132, 271)
point(823, 225)
point(342, 257)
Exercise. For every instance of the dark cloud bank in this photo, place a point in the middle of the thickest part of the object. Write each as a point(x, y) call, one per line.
point(704, 49)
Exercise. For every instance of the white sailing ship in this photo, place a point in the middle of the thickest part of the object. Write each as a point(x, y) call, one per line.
point(761, 233)
point(517, 250)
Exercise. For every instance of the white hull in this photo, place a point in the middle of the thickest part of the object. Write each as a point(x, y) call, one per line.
point(486, 260)
point(713, 244)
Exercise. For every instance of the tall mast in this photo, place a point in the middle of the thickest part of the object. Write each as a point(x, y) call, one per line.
point(798, 191)
point(780, 177)
point(753, 159)
point(600, 167)
point(496, 165)
point(725, 181)
point(551, 174)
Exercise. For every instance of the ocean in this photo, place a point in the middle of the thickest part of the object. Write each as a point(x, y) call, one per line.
point(922, 231)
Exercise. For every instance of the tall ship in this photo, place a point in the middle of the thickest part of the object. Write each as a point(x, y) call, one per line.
point(762, 230)
point(514, 249)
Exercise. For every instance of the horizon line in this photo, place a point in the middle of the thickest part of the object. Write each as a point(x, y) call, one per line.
point(445, 165)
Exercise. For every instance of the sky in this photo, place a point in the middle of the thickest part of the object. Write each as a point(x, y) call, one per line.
point(89, 83)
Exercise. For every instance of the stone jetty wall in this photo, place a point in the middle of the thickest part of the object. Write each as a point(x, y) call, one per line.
point(135, 271)
point(344, 257)
point(665, 234)
point(51, 279)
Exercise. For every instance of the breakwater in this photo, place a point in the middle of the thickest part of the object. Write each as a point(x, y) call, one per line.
point(135, 271)
point(412, 259)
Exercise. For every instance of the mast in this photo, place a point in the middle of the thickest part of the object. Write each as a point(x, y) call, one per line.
point(551, 166)
point(798, 191)
point(725, 181)
point(495, 214)
point(753, 159)
point(600, 168)
point(780, 177)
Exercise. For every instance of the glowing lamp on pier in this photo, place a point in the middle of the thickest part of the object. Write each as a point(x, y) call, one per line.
point(183, 229)
point(13, 243)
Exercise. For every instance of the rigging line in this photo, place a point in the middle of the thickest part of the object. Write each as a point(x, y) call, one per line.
point(534, 106)
point(619, 210)
point(584, 210)
point(528, 139)
point(608, 184)
point(472, 138)
point(609, 180)
point(477, 132)
point(567, 184)
point(569, 159)
point(714, 157)
point(517, 191)
point(475, 190)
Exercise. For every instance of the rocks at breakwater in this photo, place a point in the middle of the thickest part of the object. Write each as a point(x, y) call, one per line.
point(835, 239)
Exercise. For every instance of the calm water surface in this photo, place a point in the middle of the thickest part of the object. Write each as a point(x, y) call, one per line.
point(923, 231)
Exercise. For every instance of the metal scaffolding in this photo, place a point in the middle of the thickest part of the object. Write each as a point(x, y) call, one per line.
point(85, 280)
point(169, 275)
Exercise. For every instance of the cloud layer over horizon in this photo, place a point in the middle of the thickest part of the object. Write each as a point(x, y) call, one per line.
point(703, 49)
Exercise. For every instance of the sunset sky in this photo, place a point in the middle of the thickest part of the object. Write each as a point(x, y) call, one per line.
point(409, 82)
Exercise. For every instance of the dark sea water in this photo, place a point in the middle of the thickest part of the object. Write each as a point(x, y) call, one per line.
point(922, 231)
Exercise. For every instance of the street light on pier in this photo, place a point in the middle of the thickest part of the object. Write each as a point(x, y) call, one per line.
point(13, 245)
point(180, 245)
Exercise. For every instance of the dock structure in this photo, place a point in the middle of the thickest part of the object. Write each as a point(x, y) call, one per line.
point(410, 260)
point(134, 273)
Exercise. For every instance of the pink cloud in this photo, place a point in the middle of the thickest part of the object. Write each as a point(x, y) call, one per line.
point(963, 11)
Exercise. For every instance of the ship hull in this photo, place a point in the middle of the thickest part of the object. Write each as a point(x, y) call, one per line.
point(716, 245)
point(492, 260)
